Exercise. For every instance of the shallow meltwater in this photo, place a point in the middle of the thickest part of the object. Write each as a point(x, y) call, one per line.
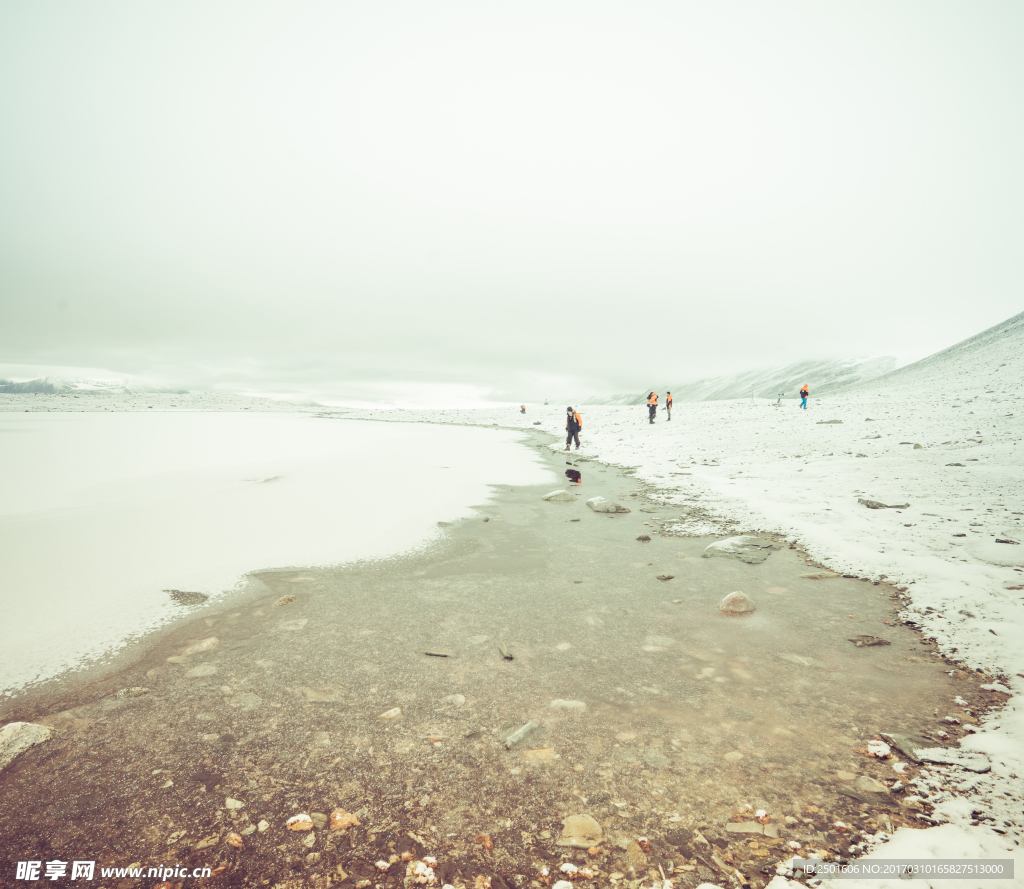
point(544, 661)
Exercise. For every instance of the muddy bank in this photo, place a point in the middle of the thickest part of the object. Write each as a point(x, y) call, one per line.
point(655, 714)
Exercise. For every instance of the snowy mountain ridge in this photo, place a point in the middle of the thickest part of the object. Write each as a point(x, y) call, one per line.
point(822, 375)
point(988, 362)
point(79, 386)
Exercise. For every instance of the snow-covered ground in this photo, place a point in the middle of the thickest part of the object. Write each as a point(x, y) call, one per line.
point(944, 436)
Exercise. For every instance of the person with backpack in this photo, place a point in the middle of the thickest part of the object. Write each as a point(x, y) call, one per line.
point(652, 405)
point(573, 425)
point(804, 392)
point(668, 405)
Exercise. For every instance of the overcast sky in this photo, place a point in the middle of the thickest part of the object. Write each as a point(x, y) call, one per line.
point(521, 199)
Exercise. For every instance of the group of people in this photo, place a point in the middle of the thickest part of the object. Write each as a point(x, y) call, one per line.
point(652, 405)
point(574, 423)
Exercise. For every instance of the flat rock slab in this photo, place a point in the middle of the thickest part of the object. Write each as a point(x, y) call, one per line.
point(919, 750)
point(580, 832)
point(17, 737)
point(752, 550)
point(878, 504)
point(560, 497)
point(599, 504)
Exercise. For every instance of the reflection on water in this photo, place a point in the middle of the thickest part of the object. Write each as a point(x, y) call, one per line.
point(652, 712)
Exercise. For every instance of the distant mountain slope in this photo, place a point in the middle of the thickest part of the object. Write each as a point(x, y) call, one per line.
point(990, 361)
point(821, 376)
point(70, 385)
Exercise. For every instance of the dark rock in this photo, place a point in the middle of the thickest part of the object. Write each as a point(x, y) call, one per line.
point(868, 641)
point(679, 837)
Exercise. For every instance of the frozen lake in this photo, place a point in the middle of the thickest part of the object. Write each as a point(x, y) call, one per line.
point(102, 514)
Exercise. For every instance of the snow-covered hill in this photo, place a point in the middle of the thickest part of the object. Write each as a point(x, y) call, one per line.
point(991, 362)
point(823, 377)
point(69, 385)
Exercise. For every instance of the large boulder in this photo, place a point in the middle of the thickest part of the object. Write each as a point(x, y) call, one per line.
point(17, 737)
point(737, 603)
point(599, 504)
point(752, 550)
point(560, 497)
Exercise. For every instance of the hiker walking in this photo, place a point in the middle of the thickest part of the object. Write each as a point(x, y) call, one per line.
point(573, 425)
point(522, 408)
point(668, 404)
point(804, 392)
point(652, 405)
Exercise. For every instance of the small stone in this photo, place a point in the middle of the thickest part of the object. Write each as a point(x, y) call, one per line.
point(284, 600)
point(299, 822)
point(201, 670)
point(234, 803)
point(201, 646)
point(206, 842)
point(599, 504)
point(644, 538)
point(136, 691)
point(737, 603)
point(520, 734)
point(310, 840)
point(734, 756)
point(457, 700)
point(560, 497)
point(342, 820)
point(250, 829)
point(391, 714)
point(233, 839)
point(666, 576)
point(263, 826)
point(319, 820)
point(543, 754)
point(313, 858)
point(559, 704)
point(581, 832)
point(868, 641)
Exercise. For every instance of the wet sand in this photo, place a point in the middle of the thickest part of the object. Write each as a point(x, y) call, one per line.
point(673, 718)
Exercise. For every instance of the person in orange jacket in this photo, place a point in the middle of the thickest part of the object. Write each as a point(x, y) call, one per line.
point(668, 404)
point(573, 425)
point(804, 392)
point(652, 405)
point(522, 408)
